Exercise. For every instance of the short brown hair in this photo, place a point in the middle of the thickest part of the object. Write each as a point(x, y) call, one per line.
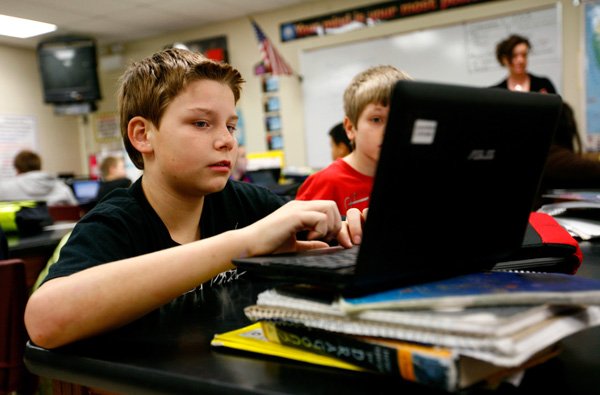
point(373, 85)
point(505, 48)
point(148, 86)
point(27, 160)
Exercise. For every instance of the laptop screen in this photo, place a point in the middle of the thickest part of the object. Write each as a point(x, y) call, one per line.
point(85, 190)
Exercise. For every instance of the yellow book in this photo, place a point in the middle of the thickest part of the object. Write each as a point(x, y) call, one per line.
point(251, 338)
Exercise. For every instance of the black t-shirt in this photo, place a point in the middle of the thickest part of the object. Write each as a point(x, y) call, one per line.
point(125, 225)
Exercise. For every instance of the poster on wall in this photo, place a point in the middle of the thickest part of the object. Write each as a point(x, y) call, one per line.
point(214, 48)
point(107, 128)
point(592, 76)
point(360, 17)
point(17, 132)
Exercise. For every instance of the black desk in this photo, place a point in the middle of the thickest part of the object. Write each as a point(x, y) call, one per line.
point(168, 352)
point(48, 239)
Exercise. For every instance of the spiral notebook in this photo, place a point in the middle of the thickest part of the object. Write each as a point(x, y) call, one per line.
point(456, 180)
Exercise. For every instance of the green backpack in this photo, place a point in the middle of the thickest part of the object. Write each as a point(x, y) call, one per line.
point(25, 217)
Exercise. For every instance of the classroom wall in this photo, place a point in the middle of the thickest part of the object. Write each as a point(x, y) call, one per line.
point(243, 54)
point(58, 138)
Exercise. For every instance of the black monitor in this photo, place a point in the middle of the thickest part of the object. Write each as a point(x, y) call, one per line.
point(68, 69)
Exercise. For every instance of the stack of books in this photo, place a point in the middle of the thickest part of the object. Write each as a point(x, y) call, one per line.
point(451, 334)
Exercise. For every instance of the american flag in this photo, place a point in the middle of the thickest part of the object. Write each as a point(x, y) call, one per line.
point(271, 58)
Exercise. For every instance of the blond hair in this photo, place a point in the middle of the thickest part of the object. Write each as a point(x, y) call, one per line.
point(107, 163)
point(148, 86)
point(373, 85)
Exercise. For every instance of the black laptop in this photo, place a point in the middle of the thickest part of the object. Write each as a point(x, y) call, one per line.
point(456, 181)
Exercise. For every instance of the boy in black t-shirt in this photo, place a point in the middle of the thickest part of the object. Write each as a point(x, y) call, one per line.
point(183, 221)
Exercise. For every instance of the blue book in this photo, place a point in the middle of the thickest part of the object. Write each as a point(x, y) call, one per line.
point(493, 288)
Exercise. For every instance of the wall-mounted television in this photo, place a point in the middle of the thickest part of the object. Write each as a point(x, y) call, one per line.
point(68, 69)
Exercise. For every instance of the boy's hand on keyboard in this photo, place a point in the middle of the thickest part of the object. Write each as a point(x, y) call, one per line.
point(319, 221)
point(352, 228)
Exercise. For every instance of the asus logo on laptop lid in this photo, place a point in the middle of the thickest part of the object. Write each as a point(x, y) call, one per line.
point(482, 154)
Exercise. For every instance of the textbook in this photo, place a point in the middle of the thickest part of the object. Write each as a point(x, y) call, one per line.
point(438, 367)
point(429, 365)
point(484, 289)
point(251, 338)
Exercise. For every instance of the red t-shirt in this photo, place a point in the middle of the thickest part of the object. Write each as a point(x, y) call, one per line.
point(339, 182)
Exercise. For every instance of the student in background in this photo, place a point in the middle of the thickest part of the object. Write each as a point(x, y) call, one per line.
point(349, 180)
point(566, 167)
point(179, 225)
point(31, 183)
point(238, 172)
point(112, 170)
point(339, 141)
point(512, 53)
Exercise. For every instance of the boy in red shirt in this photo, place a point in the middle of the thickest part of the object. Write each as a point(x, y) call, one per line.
point(348, 181)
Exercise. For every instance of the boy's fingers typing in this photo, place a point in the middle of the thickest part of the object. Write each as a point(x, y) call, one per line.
point(277, 232)
point(355, 220)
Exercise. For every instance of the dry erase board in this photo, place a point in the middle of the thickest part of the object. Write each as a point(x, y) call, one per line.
point(462, 53)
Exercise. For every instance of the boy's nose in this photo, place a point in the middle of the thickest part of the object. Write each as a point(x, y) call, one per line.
point(226, 136)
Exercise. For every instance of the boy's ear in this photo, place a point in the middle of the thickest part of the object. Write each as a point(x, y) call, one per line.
point(350, 130)
point(137, 131)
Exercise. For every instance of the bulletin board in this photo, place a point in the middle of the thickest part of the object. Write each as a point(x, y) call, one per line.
point(462, 54)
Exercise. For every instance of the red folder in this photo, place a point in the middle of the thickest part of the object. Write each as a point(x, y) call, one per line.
point(547, 247)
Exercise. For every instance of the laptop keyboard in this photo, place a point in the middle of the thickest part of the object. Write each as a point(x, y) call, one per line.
point(336, 259)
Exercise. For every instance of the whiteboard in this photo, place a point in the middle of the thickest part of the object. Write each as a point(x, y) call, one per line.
point(462, 54)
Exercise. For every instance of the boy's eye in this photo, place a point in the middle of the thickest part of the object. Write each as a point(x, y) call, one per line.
point(201, 124)
point(232, 128)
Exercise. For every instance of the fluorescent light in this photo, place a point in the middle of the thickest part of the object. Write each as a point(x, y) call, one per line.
point(23, 28)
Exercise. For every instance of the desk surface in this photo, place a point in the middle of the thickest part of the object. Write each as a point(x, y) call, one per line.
point(169, 352)
point(49, 238)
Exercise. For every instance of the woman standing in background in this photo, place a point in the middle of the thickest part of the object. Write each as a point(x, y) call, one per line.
point(512, 53)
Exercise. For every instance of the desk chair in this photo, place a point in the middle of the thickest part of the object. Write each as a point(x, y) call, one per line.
point(65, 212)
point(14, 377)
point(3, 244)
